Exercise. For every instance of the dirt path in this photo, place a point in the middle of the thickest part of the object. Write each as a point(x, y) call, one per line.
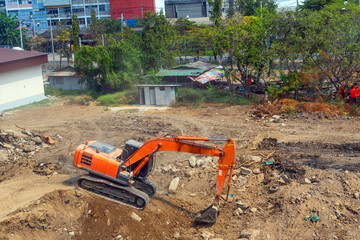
point(27, 187)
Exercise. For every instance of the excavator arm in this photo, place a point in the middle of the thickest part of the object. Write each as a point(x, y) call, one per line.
point(183, 144)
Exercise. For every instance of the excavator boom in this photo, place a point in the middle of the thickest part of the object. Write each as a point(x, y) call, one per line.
point(128, 168)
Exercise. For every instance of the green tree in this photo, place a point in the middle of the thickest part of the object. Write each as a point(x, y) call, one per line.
point(63, 41)
point(9, 35)
point(95, 30)
point(156, 41)
point(75, 30)
point(244, 39)
point(38, 43)
point(109, 69)
point(215, 11)
point(250, 7)
point(315, 5)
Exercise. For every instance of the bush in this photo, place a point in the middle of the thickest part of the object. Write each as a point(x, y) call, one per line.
point(59, 92)
point(119, 98)
point(212, 95)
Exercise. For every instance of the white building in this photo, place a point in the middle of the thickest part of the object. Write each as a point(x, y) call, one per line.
point(21, 79)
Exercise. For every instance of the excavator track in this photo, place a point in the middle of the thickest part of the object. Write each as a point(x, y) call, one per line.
point(146, 186)
point(120, 194)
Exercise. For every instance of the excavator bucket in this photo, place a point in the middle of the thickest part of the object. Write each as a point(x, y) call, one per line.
point(207, 216)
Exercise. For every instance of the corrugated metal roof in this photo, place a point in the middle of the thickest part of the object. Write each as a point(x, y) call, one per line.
point(200, 65)
point(180, 72)
point(64, 74)
point(10, 55)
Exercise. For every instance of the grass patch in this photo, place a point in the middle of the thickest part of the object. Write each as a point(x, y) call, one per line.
point(66, 93)
point(197, 97)
point(45, 102)
point(119, 98)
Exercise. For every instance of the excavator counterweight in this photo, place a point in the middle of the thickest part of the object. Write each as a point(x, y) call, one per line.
point(120, 175)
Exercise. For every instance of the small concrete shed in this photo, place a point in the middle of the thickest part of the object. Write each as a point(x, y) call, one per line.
point(66, 79)
point(162, 94)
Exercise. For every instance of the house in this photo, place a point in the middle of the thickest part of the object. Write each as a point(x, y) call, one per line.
point(183, 74)
point(66, 79)
point(161, 94)
point(21, 78)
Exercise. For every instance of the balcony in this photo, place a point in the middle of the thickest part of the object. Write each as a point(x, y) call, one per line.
point(104, 13)
point(90, 1)
point(77, 1)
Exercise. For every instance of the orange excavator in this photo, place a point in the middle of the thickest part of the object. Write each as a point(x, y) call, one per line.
point(121, 175)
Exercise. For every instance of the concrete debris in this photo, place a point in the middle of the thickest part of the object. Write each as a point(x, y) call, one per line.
point(285, 178)
point(135, 217)
point(307, 181)
point(207, 235)
point(253, 158)
point(253, 210)
point(241, 205)
point(16, 147)
point(242, 181)
point(357, 195)
point(245, 171)
point(192, 161)
point(71, 233)
point(238, 212)
point(174, 184)
point(245, 234)
point(177, 235)
point(26, 132)
point(118, 237)
point(199, 162)
point(37, 140)
point(256, 171)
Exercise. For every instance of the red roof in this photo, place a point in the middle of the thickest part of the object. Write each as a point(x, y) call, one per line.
point(16, 59)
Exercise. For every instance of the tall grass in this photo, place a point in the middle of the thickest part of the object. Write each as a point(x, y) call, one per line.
point(119, 98)
point(195, 97)
point(59, 92)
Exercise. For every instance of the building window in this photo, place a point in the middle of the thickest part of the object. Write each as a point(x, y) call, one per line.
point(59, 80)
point(162, 88)
point(81, 21)
point(102, 8)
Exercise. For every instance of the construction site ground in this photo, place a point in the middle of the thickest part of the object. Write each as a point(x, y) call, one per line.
point(304, 181)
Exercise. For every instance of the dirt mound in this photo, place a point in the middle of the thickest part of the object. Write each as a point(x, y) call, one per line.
point(291, 106)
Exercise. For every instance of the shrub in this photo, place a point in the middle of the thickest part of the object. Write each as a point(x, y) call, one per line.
point(119, 98)
point(212, 95)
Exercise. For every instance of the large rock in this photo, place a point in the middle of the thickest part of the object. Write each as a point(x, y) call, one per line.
point(245, 171)
point(174, 184)
point(3, 155)
point(253, 158)
point(135, 217)
point(199, 162)
point(192, 161)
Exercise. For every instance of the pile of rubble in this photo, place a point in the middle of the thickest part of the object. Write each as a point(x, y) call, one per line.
point(15, 146)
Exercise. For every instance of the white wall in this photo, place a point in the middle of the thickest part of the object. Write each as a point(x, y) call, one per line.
point(20, 87)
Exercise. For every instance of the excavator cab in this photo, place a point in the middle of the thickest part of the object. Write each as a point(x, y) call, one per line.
point(132, 146)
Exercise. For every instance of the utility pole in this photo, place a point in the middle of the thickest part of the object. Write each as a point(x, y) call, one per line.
point(21, 38)
point(122, 19)
point(52, 43)
point(142, 11)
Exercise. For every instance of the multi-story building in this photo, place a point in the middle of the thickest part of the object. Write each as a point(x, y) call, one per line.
point(39, 14)
point(2, 6)
point(192, 8)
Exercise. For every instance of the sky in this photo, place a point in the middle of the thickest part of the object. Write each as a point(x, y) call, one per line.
point(287, 3)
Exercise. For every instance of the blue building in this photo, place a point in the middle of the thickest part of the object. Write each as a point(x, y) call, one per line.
point(37, 15)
